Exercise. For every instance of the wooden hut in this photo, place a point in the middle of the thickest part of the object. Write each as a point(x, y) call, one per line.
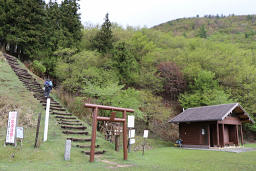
point(212, 126)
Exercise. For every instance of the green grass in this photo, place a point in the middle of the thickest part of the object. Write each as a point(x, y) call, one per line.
point(50, 155)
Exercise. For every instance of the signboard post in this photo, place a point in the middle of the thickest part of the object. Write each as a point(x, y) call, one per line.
point(11, 128)
point(46, 119)
point(130, 125)
point(145, 135)
point(20, 134)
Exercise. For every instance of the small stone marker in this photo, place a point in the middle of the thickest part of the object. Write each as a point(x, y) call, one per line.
point(67, 150)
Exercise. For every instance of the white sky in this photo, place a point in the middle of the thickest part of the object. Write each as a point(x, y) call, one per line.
point(153, 12)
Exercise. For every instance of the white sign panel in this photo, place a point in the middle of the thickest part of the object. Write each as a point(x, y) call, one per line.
point(11, 128)
point(19, 132)
point(132, 141)
point(130, 121)
point(132, 133)
point(145, 134)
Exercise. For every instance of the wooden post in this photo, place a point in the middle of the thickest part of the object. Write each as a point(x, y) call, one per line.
point(117, 142)
point(37, 131)
point(209, 140)
point(94, 127)
point(218, 135)
point(223, 142)
point(237, 136)
point(125, 136)
point(241, 132)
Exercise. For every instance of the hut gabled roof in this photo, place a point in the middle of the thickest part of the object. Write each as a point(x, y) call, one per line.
point(212, 113)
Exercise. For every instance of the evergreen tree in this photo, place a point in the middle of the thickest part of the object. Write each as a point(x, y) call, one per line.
point(24, 26)
point(104, 39)
point(202, 32)
point(70, 22)
point(125, 63)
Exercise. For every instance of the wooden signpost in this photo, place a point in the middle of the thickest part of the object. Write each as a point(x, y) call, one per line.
point(131, 139)
point(145, 135)
point(112, 118)
point(20, 134)
point(37, 131)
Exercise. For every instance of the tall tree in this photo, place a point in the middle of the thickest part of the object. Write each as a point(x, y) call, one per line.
point(204, 91)
point(71, 24)
point(103, 40)
point(24, 26)
point(173, 81)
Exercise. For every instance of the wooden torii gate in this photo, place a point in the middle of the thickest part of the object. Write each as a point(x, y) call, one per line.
point(112, 118)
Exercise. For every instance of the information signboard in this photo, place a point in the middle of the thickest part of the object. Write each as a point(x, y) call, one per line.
point(20, 132)
point(145, 134)
point(11, 127)
point(132, 133)
point(132, 141)
point(130, 121)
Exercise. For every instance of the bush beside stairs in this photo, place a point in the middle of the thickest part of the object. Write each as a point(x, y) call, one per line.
point(72, 127)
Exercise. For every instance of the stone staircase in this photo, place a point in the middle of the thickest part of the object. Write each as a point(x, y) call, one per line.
point(73, 128)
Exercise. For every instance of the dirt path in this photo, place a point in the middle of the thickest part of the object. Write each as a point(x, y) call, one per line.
point(113, 165)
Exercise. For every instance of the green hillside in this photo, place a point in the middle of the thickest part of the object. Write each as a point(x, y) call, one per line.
point(158, 155)
point(231, 29)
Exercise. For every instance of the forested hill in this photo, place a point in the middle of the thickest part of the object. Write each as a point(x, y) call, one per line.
point(233, 29)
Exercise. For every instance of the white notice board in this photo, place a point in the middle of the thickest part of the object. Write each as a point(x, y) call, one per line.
point(145, 134)
point(20, 132)
point(132, 133)
point(11, 127)
point(132, 141)
point(130, 121)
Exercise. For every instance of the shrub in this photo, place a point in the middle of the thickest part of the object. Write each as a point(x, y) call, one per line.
point(38, 68)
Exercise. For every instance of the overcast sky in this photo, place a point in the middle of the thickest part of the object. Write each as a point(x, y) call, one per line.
point(153, 12)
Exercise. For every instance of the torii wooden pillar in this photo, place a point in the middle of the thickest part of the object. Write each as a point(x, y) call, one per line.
point(112, 118)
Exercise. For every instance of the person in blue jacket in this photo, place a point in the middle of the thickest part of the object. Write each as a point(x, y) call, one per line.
point(47, 87)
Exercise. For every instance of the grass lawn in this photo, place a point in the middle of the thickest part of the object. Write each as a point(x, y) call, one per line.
point(50, 155)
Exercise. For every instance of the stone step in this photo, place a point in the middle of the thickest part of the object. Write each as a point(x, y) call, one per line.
point(11, 59)
point(73, 127)
point(86, 146)
point(79, 139)
point(53, 105)
point(96, 152)
point(52, 102)
point(13, 62)
point(17, 69)
point(67, 123)
point(62, 114)
point(26, 77)
point(63, 117)
point(57, 109)
point(75, 132)
point(23, 73)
